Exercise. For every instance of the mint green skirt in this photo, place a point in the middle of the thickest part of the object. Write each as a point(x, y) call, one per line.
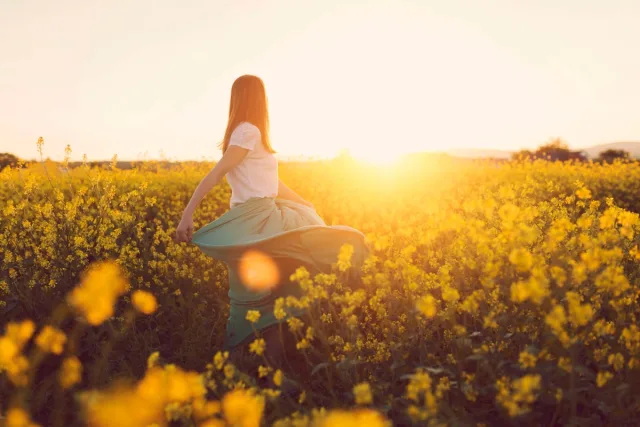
point(291, 235)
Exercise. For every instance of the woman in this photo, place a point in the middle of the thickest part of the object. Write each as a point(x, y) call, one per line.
point(269, 230)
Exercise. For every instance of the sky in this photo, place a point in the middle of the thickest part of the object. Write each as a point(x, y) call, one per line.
point(152, 78)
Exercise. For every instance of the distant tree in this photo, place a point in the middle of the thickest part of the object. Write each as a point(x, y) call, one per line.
point(611, 154)
point(8, 159)
point(555, 149)
point(523, 155)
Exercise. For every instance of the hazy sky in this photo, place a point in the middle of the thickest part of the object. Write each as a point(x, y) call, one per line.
point(378, 77)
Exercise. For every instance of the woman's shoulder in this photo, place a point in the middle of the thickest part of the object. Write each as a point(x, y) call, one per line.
point(245, 135)
point(246, 128)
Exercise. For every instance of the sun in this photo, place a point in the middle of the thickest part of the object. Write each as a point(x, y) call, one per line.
point(385, 157)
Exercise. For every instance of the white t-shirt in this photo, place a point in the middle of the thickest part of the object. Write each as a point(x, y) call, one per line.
point(257, 174)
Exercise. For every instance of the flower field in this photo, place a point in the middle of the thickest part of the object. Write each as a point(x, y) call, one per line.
point(495, 295)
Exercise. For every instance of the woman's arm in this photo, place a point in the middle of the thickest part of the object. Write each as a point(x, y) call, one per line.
point(285, 192)
point(230, 159)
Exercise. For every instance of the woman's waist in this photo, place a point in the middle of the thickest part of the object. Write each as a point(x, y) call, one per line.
point(237, 200)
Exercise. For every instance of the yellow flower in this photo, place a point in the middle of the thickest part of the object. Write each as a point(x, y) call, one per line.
point(18, 417)
point(263, 371)
point(258, 346)
point(11, 343)
point(20, 332)
point(212, 422)
point(450, 294)
point(564, 363)
point(144, 302)
point(517, 396)
point(583, 193)
point(242, 408)
point(253, 316)
point(70, 372)
point(362, 393)
point(152, 360)
point(527, 360)
point(427, 306)
point(229, 371)
point(344, 257)
point(617, 361)
point(8, 350)
point(203, 409)
point(420, 382)
point(278, 309)
point(556, 319)
point(101, 285)
point(356, 418)
point(220, 359)
point(603, 377)
point(522, 259)
point(295, 324)
point(277, 378)
point(51, 340)
point(579, 314)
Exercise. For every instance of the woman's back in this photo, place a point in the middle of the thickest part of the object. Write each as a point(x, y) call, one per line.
point(257, 174)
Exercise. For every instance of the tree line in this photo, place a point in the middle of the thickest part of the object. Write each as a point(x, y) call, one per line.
point(558, 150)
point(554, 150)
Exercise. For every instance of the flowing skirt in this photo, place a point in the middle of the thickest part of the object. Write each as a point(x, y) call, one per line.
point(262, 242)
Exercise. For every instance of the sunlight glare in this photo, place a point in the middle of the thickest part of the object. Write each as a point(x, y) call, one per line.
point(382, 157)
point(258, 271)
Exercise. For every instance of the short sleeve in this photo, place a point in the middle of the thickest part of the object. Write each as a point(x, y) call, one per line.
point(245, 135)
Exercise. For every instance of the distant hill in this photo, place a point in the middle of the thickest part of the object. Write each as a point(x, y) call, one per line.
point(632, 147)
point(592, 152)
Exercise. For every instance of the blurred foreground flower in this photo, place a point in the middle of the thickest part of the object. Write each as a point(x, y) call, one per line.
point(18, 417)
point(146, 402)
point(11, 343)
point(51, 340)
point(102, 284)
point(144, 302)
point(355, 418)
point(242, 408)
point(70, 372)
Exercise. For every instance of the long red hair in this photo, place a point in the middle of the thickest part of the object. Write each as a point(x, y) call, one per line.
point(248, 104)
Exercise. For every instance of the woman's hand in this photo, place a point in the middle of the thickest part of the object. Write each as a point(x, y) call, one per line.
point(185, 229)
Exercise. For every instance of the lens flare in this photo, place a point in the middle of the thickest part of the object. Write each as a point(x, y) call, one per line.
point(258, 271)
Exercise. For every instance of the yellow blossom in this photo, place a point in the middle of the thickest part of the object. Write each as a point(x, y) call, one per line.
point(253, 316)
point(144, 302)
point(603, 377)
point(70, 372)
point(527, 360)
point(98, 290)
point(258, 346)
point(522, 259)
point(427, 306)
point(362, 393)
point(242, 408)
point(263, 371)
point(220, 358)
point(18, 417)
point(277, 378)
point(152, 360)
point(344, 257)
point(51, 340)
point(450, 294)
point(360, 417)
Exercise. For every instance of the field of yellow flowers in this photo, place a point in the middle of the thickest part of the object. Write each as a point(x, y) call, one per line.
point(495, 295)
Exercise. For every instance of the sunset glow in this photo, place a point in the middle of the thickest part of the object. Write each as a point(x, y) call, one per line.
point(150, 79)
